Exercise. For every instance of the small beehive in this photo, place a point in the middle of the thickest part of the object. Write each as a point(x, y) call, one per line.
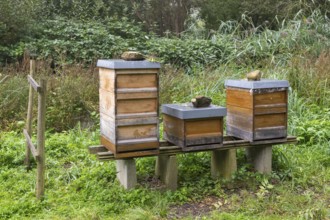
point(193, 128)
point(129, 107)
point(257, 110)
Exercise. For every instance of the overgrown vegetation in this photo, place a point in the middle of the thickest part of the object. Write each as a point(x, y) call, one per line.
point(80, 187)
point(195, 63)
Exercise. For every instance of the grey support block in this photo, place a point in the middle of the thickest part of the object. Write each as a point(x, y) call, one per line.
point(223, 163)
point(167, 170)
point(161, 163)
point(126, 173)
point(260, 158)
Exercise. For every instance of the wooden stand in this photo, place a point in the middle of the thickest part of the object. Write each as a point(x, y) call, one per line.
point(223, 163)
point(126, 173)
point(223, 159)
point(260, 158)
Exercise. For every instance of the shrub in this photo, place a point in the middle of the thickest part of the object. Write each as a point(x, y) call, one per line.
point(70, 41)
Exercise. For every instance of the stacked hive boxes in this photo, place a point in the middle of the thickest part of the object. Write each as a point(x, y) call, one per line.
point(193, 128)
point(257, 110)
point(129, 107)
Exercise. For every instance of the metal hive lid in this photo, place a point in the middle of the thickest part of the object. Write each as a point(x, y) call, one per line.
point(187, 111)
point(262, 84)
point(123, 64)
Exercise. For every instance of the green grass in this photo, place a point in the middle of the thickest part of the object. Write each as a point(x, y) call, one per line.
point(80, 187)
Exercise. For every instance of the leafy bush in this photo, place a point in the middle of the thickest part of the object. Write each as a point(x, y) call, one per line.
point(316, 129)
point(70, 41)
point(188, 53)
point(16, 26)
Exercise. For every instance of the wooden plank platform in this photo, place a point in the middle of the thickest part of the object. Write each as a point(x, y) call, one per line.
point(167, 148)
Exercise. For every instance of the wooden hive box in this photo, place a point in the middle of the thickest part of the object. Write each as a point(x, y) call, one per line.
point(257, 110)
point(129, 107)
point(193, 128)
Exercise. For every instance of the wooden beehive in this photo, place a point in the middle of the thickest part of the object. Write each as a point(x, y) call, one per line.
point(129, 107)
point(193, 128)
point(257, 110)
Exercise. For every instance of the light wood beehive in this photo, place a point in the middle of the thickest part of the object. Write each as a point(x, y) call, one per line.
point(129, 107)
point(257, 110)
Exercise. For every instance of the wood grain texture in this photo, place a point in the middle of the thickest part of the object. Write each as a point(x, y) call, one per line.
point(30, 145)
point(107, 79)
point(137, 115)
point(34, 84)
point(239, 133)
point(140, 94)
point(239, 97)
point(173, 127)
point(137, 121)
point(270, 109)
point(136, 81)
point(138, 146)
point(129, 110)
point(209, 138)
point(186, 133)
point(267, 108)
point(270, 98)
point(107, 102)
point(270, 133)
point(108, 127)
point(136, 131)
point(29, 114)
point(133, 154)
point(108, 144)
point(203, 147)
point(271, 120)
point(241, 118)
point(41, 126)
point(137, 106)
point(137, 71)
point(202, 127)
point(230, 142)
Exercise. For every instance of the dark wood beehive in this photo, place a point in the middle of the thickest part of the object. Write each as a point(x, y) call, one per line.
point(129, 107)
point(193, 128)
point(257, 110)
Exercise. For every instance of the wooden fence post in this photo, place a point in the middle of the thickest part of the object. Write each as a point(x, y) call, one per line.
point(41, 139)
point(29, 115)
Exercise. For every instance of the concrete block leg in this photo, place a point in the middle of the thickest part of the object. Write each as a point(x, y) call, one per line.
point(126, 173)
point(260, 158)
point(167, 171)
point(223, 163)
point(161, 164)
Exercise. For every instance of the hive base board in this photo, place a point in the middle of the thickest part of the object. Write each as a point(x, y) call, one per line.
point(134, 154)
point(202, 147)
point(259, 134)
point(213, 143)
point(150, 149)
